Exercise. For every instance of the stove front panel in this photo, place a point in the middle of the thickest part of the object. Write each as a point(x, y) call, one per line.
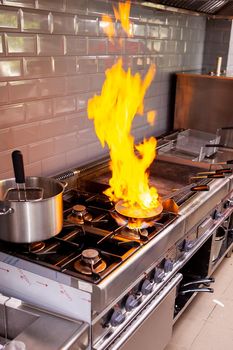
point(44, 293)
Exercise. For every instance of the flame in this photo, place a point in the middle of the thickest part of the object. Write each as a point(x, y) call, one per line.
point(113, 113)
point(151, 115)
point(108, 26)
point(122, 15)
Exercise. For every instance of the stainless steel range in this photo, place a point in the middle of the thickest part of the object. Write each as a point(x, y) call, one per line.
point(118, 278)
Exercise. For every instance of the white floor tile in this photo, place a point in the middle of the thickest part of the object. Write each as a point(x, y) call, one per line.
point(213, 338)
point(207, 323)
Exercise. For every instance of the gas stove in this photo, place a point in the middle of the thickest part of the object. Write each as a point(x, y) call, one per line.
point(91, 244)
point(92, 223)
point(108, 273)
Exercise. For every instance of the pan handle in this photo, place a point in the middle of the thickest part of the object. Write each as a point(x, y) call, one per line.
point(17, 159)
point(64, 184)
point(6, 211)
point(226, 128)
point(224, 171)
point(218, 145)
point(200, 188)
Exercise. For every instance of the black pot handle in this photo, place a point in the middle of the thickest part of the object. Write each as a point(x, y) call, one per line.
point(17, 159)
point(227, 128)
point(220, 145)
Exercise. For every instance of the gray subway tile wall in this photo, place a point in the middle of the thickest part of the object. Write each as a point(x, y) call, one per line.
point(53, 55)
point(217, 41)
point(35, 22)
point(21, 44)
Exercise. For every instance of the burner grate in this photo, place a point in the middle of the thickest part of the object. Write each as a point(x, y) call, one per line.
point(100, 232)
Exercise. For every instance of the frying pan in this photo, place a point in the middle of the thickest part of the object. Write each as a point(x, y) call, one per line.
point(134, 213)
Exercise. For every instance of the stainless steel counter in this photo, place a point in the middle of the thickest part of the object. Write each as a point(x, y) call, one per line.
point(38, 329)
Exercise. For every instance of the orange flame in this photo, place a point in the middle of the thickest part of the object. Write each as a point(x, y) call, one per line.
point(151, 117)
point(122, 15)
point(113, 113)
point(108, 26)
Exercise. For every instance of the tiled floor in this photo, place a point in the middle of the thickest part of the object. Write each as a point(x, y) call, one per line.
point(207, 324)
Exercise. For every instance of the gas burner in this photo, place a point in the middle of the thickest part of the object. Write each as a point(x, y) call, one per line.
point(132, 223)
point(36, 247)
point(134, 233)
point(90, 262)
point(79, 214)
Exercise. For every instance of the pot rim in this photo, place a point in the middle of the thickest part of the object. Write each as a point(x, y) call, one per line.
point(47, 180)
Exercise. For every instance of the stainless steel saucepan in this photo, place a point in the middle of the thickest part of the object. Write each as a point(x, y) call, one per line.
point(27, 221)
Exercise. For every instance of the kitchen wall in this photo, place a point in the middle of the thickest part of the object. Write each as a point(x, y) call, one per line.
point(218, 36)
point(53, 55)
point(230, 54)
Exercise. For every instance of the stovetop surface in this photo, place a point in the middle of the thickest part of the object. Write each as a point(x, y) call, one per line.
point(92, 245)
point(100, 232)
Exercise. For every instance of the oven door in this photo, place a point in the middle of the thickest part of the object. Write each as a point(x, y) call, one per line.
point(152, 328)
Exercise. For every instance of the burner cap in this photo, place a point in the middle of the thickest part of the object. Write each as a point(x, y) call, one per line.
point(79, 208)
point(90, 255)
point(79, 214)
point(90, 262)
point(36, 247)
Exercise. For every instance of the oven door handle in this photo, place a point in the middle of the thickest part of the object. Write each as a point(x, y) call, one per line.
point(143, 315)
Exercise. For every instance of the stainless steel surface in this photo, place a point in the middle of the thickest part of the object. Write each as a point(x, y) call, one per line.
point(221, 240)
point(159, 7)
point(120, 280)
point(168, 152)
point(180, 261)
point(226, 254)
point(144, 274)
point(25, 221)
point(206, 280)
point(196, 290)
point(193, 142)
point(203, 102)
point(38, 329)
point(166, 175)
point(209, 7)
point(146, 331)
point(218, 240)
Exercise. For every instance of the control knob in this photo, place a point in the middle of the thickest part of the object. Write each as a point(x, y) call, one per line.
point(146, 287)
point(159, 275)
point(117, 318)
point(216, 215)
point(185, 246)
point(131, 303)
point(228, 203)
point(188, 245)
point(168, 265)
